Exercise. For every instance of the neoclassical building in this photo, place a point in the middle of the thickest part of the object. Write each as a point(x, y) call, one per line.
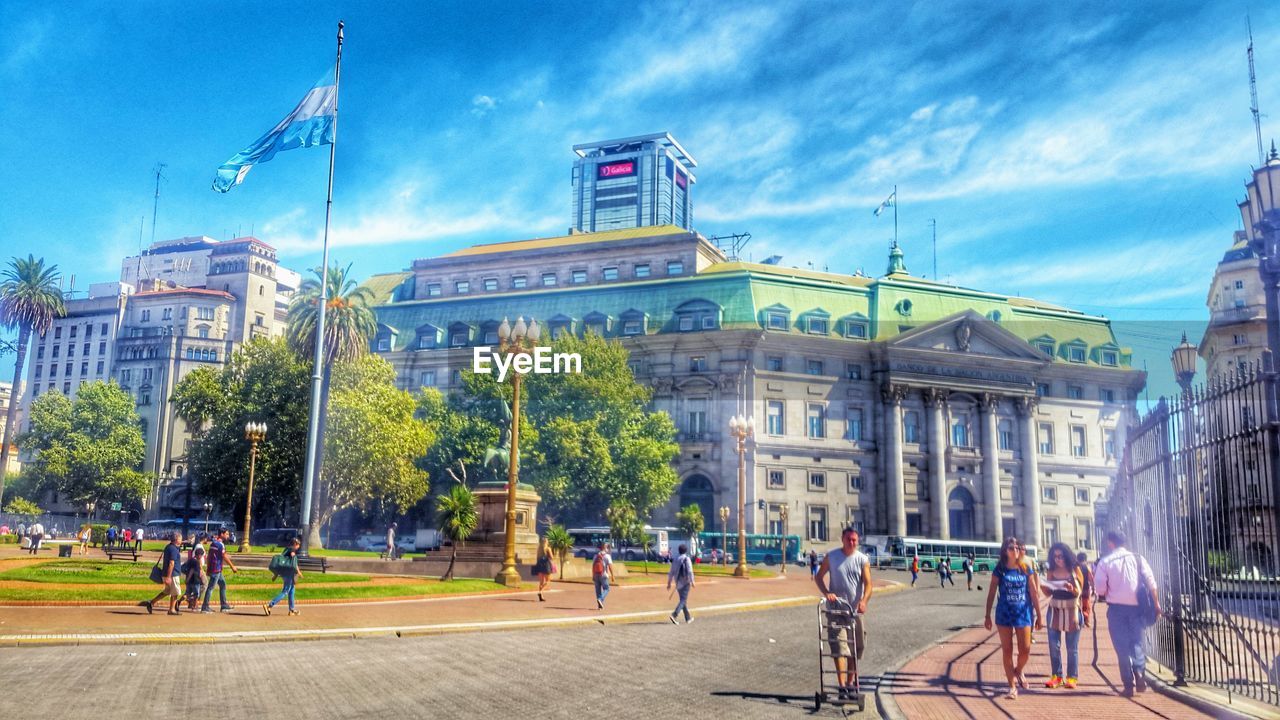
point(898, 405)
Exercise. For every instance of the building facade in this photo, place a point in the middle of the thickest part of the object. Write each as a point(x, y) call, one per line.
point(6, 397)
point(895, 404)
point(639, 181)
point(1237, 330)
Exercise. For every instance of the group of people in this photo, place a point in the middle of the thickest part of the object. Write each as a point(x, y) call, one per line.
point(34, 533)
point(679, 576)
point(1062, 600)
point(124, 537)
point(202, 571)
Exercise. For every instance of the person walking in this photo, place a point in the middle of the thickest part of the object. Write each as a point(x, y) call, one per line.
point(137, 539)
point(286, 566)
point(601, 573)
point(849, 571)
point(86, 534)
point(128, 537)
point(1064, 584)
point(915, 569)
point(1118, 578)
point(813, 563)
point(1086, 593)
point(111, 536)
point(1018, 610)
point(967, 566)
point(196, 570)
point(217, 557)
point(391, 541)
point(169, 561)
point(681, 573)
point(543, 567)
point(37, 535)
point(22, 532)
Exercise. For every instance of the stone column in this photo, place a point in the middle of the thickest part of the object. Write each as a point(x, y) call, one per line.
point(935, 398)
point(991, 467)
point(893, 395)
point(1030, 449)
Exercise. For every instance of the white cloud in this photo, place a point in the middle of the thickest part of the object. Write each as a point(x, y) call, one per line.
point(482, 105)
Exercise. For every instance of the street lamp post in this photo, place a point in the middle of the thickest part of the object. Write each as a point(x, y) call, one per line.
point(255, 433)
point(782, 517)
point(724, 532)
point(742, 428)
point(208, 510)
point(1180, 506)
point(515, 342)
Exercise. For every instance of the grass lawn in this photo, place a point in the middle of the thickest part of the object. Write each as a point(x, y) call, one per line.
point(249, 595)
point(158, 545)
point(699, 569)
point(95, 572)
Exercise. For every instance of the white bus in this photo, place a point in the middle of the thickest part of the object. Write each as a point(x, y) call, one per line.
point(586, 542)
point(931, 552)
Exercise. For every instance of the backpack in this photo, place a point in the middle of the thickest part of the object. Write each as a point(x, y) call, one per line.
point(597, 566)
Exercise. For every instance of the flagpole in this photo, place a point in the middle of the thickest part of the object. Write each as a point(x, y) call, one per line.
point(895, 214)
point(313, 422)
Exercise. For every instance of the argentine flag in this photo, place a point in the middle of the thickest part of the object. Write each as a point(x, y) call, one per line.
point(310, 123)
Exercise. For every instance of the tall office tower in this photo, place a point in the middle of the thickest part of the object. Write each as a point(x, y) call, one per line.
point(632, 182)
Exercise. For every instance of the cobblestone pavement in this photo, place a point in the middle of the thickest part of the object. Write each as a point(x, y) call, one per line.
point(744, 665)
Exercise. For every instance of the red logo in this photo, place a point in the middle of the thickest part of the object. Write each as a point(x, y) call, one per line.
point(681, 180)
point(618, 169)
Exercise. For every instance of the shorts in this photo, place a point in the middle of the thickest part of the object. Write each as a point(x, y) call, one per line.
point(841, 633)
point(174, 588)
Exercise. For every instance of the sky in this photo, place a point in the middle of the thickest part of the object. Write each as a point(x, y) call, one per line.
point(1088, 154)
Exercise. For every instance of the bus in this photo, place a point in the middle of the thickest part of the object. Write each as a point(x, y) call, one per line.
point(586, 542)
point(931, 552)
point(761, 547)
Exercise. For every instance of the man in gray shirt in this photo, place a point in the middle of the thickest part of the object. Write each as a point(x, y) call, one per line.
point(850, 573)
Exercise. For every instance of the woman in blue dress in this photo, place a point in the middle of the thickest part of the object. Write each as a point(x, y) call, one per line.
point(1015, 591)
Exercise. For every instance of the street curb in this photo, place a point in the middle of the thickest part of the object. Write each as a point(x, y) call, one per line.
point(386, 632)
point(885, 703)
point(1188, 697)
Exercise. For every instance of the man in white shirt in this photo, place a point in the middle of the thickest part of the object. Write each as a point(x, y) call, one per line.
point(1116, 580)
point(37, 534)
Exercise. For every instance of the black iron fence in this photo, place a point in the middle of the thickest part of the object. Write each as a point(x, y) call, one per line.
point(1196, 495)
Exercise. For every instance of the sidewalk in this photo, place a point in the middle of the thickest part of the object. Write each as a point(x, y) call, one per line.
point(566, 604)
point(963, 677)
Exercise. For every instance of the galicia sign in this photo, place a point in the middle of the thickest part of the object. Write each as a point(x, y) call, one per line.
point(616, 169)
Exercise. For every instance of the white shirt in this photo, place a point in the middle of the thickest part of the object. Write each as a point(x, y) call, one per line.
point(1116, 577)
point(36, 529)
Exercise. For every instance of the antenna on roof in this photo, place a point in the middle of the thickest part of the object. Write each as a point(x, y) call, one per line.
point(934, 224)
point(731, 245)
point(155, 207)
point(1253, 95)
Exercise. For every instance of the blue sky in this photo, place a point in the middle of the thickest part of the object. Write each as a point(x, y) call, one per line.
point(1088, 155)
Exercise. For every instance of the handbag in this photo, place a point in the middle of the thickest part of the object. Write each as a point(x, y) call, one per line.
point(157, 575)
point(1146, 604)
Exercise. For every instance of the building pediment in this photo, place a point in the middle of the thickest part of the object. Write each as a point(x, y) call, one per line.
point(970, 333)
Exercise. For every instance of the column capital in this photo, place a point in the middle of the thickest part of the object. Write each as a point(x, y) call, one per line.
point(894, 394)
point(935, 397)
point(1026, 404)
point(988, 402)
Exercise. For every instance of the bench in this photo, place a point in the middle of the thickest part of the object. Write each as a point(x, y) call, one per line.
point(121, 549)
point(311, 562)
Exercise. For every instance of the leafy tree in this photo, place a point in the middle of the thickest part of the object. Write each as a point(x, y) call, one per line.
point(691, 522)
point(26, 508)
point(30, 299)
point(456, 517)
point(560, 542)
point(89, 449)
point(198, 398)
point(264, 382)
point(462, 437)
point(622, 523)
point(642, 539)
point(372, 443)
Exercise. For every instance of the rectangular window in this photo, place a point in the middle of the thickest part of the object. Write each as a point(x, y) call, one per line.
point(853, 371)
point(1005, 435)
point(490, 284)
point(855, 482)
point(814, 367)
point(88, 331)
point(817, 326)
point(1042, 390)
point(773, 363)
point(777, 480)
point(1107, 395)
point(853, 427)
point(1079, 446)
point(1109, 442)
point(1082, 496)
point(491, 337)
point(632, 327)
point(66, 388)
point(1109, 357)
point(855, 329)
point(1084, 534)
point(56, 350)
point(433, 289)
point(459, 338)
point(675, 267)
point(40, 353)
point(102, 348)
point(71, 351)
point(146, 315)
point(1075, 392)
point(915, 525)
point(462, 287)
point(548, 279)
point(709, 322)
point(1046, 438)
point(426, 341)
point(124, 376)
point(922, 490)
point(1239, 284)
point(911, 427)
point(698, 363)
point(519, 281)
point(960, 432)
point(776, 321)
point(166, 314)
point(697, 416)
point(686, 323)
point(1239, 339)
point(85, 350)
point(1049, 494)
point(609, 273)
point(104, 328)
point(577, 277)
point(384, 344)
point(57, 333)
point(98, 371)
point(39, 368)
point(818, 523)
point(817, 481)
point(1075, 354)
point(73, 330)
point(817, 417)
point(1050, 531)
point(84, 368)
point(776, 423)
point(641, 270)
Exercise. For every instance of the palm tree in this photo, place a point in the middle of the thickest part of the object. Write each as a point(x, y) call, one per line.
point(29, 301)
point(561, 542)
point(456, 518)
point(349, 324)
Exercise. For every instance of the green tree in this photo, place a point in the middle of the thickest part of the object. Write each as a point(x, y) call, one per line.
point(691, 522)
point(622, 523)
point(89, 449)
point(456, 517)
point(30, 298)
point(372, 443)
point(20, 506)
point(198, 398)
point(560, 542)
point(264, 381)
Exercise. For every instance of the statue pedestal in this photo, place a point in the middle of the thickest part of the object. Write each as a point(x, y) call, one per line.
point(489, 539)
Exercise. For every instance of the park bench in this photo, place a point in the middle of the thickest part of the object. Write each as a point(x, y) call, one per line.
point(121, 549)
point(311, 562)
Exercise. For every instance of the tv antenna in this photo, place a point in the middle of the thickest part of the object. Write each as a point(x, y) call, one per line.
point(1253, 96)
point(155, 208)
point(731, 245)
